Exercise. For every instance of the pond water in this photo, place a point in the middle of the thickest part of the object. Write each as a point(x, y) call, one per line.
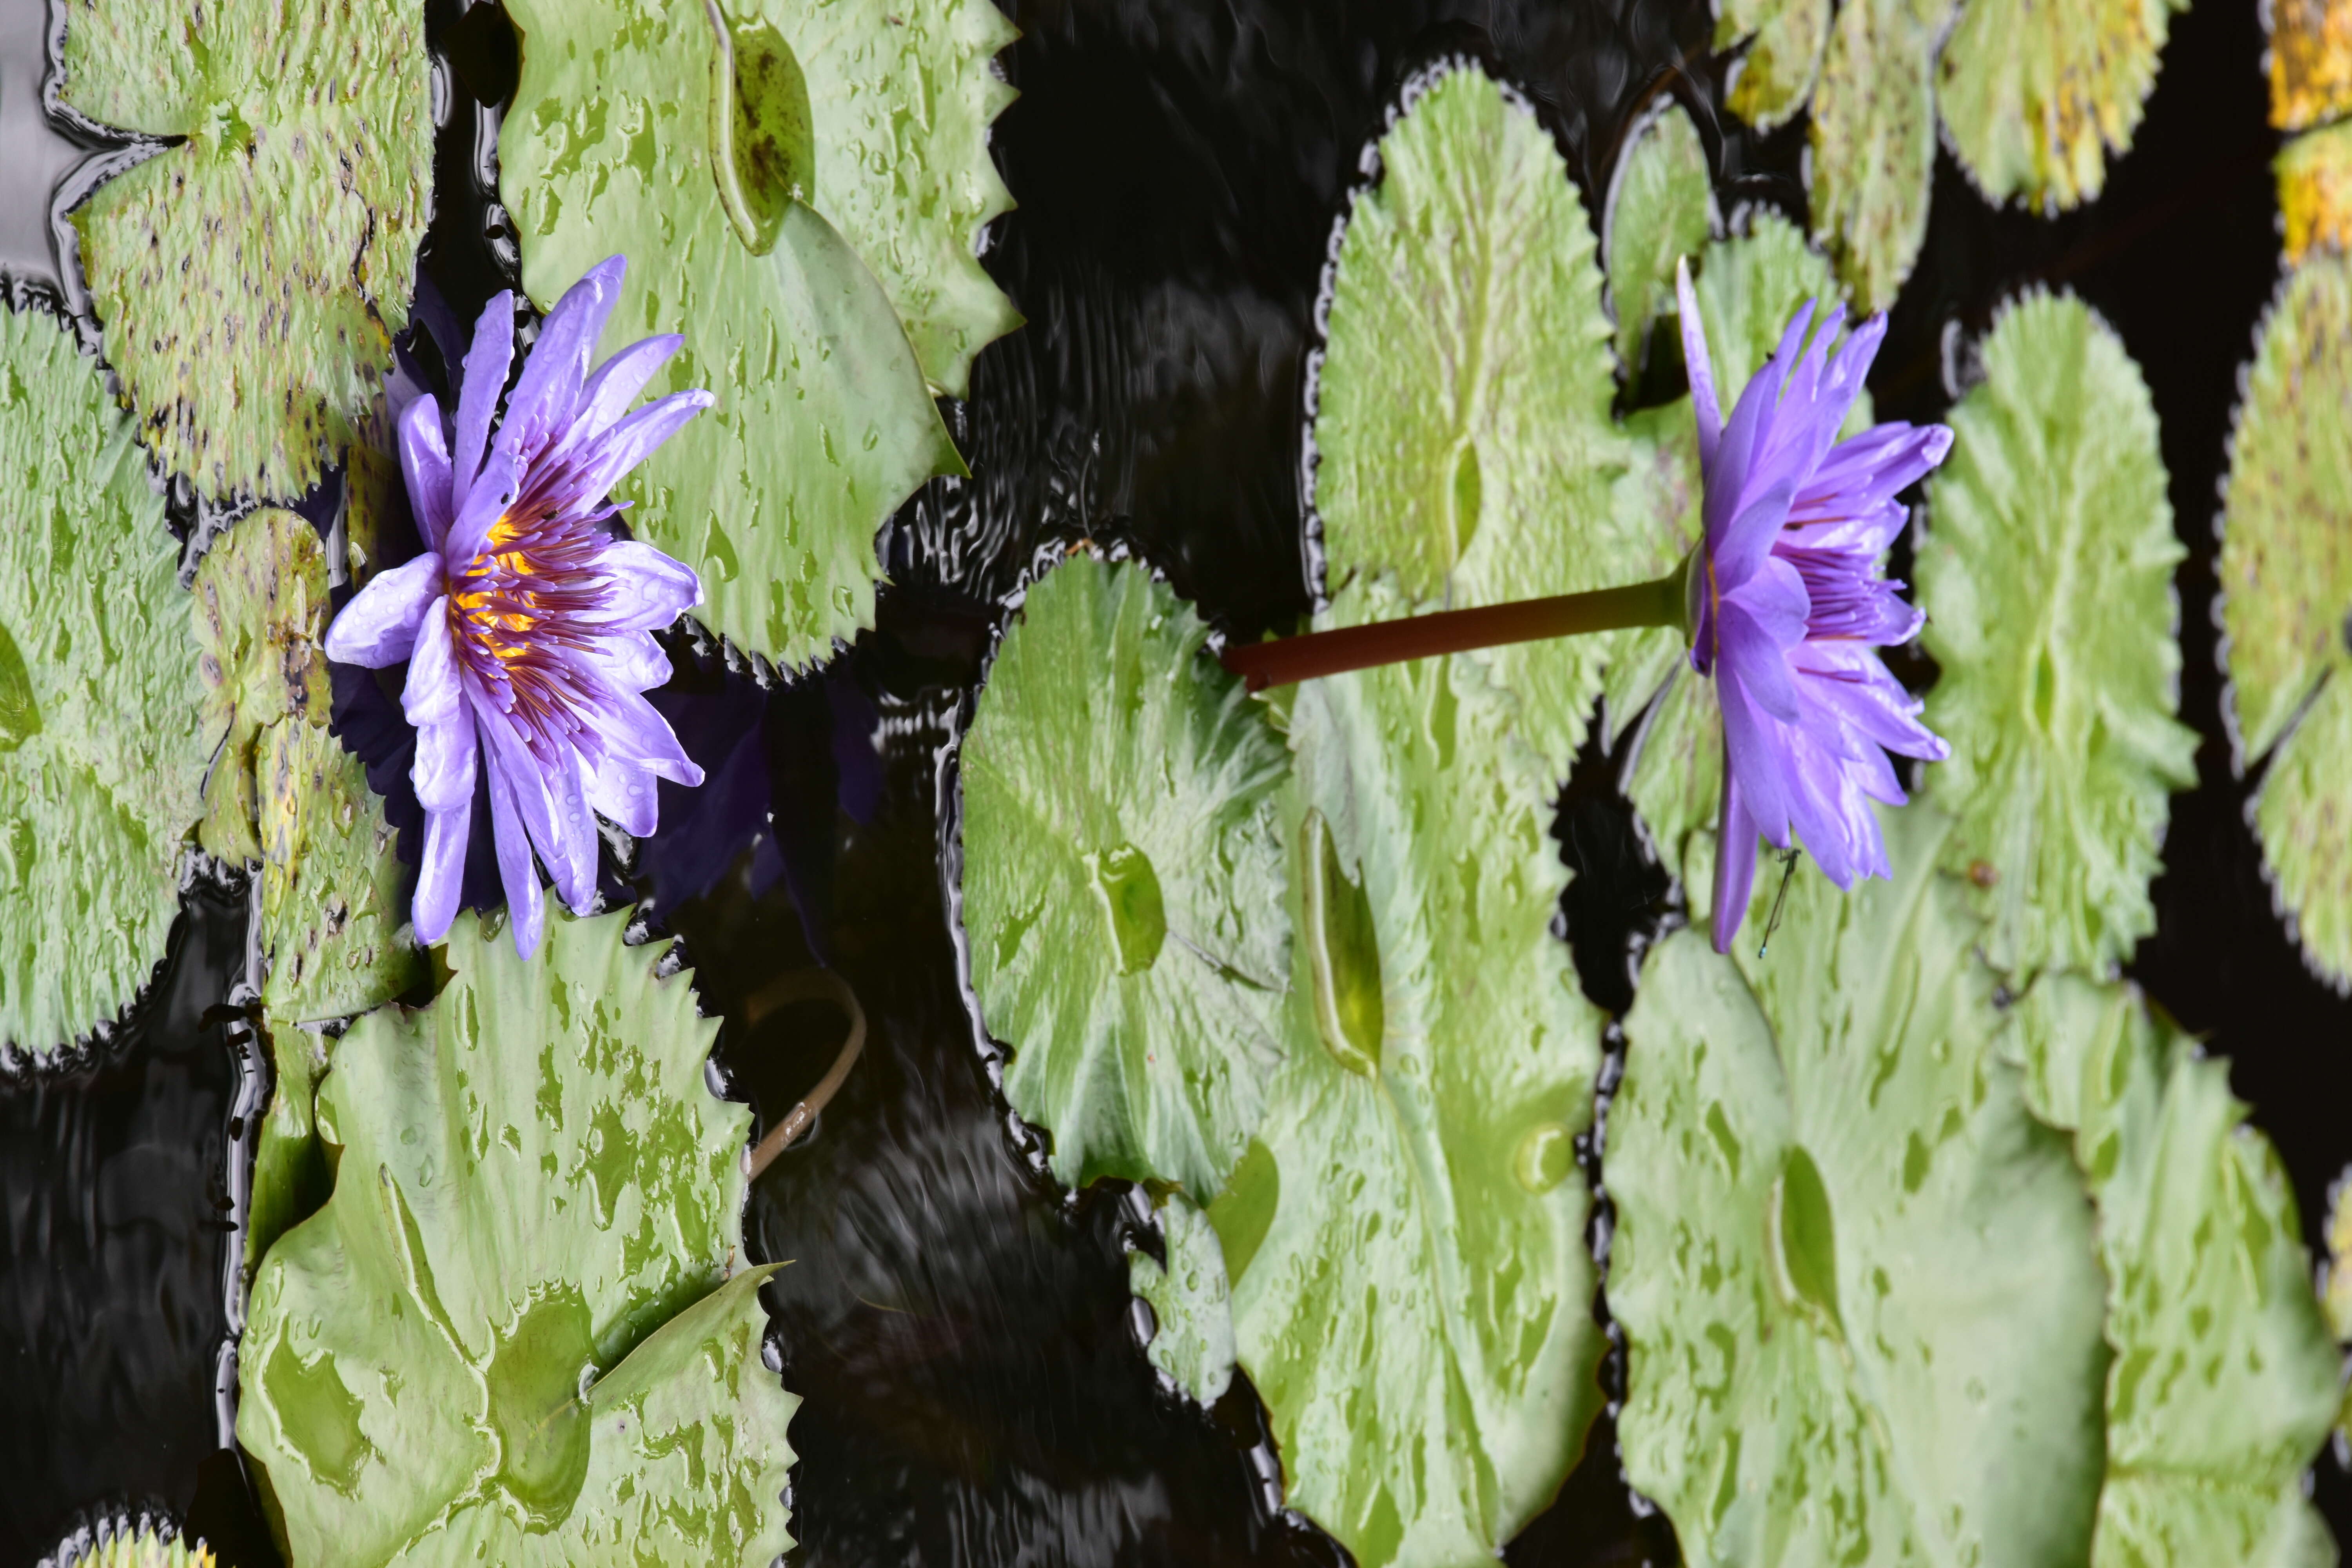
point(960, 1330)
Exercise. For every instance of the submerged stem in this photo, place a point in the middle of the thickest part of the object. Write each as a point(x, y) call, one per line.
point(1657, 602)
point(806, 985)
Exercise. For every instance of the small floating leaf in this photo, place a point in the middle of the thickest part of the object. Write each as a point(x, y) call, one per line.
point(824, 423)
point(2047, 578)
point(249, 277)
point(1873, 142)
point(261, 611)
point(1661, 207)
point(2310, 61)
point(2286, 586)
point(100, 762)
point(1192, 1335)
point(1772, 79)
point(1123, 881)
point(2224, 1379)
point(2035, 96)
point(505, 1337)
point(1859, 1285)
point(1411, 1290)
point(2315, 186)
point(1463, 424)
point(763, 152)
point(333, 901)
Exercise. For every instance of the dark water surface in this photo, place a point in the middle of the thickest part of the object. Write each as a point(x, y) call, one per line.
point(959, 1330)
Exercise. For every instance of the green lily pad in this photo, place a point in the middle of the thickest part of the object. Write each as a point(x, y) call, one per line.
point(2224, 1381)
point(1858, 1282)
point(148, 1548)
point(100, 766)
point(2286, 586)
point(1122, 871)
point(510, 1335)
point(1660, 208)
point(1749, 286)
point(291, 1177)
point(261, 612)
point(1404, 1239)
point(900, 101)
point(251, 276)
point(2047, 578)
point(1776, 73)
point(824, 423)
point(332, 886)
point(2035, 96)
point(1462, 428)
point(1873, 142)
point(1191, 1309)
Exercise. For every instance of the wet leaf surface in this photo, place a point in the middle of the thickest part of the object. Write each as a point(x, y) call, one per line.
point(100, 759)
point(1123, 879)
point(824, 423)
point(1191, 1302)
point(2046, 573)
point(1463, 428)
point(1405, 1236)
point(1858, 1282)
point(1660, 208)
point(250, 276)
point(2223, 1382)
point(2035, 97)
point(334, 906)
point(506, 1336)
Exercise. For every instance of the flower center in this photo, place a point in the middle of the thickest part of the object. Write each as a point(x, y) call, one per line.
point(525, 614)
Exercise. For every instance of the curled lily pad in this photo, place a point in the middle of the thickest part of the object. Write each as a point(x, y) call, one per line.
point(1404, 1239)
point(1660, 208)
point(1771, 80)
point(1858, 1282)
point(2310, 61)
point(1462, 428)
point(2035, 96)
point(101, 764)
point(823, 421)
point(2047, 579)
point(1192, 1311)
point(2314, 186)
point(250, 276)
point(1122, 881)
point(511, 1335)
point(261, 611)
point(2286, 587)
point(1873, 142)
point(2224, 1379)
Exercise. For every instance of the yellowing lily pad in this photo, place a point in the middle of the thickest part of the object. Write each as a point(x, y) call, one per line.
point(519, 1331)
point(1463, 431)
point(823, 421)
point(101, 764)
point(1123, 881)
point(250, 276)
point(333, 889)
point(1660, 208)
point(2310, 61)
point(1772, 79)
point(261, 612)
point(2314, 186)
point(2047, 572)
point(2224, 1379)
point(1404, 1239)
point(1873, 142)
point(1859, 1285)
point(2035, 96)
point(145, 1549)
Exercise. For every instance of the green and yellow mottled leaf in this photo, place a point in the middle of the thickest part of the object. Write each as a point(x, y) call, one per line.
point(824, 423)
point(250, 275)
point(1660, 208)
point(333, 911)
point(1122, 867)
point(1771, 80)
point(1462, 429)
point(1873, 142)
point(1858, 1283)
point(2310, 61)
point(2315, 192)
point(2047, 578)
point(511, 1335)
point(101, 768)
point(2224, 1381)
point(261, 612)
point(1404, 1239)
point(2035, 96)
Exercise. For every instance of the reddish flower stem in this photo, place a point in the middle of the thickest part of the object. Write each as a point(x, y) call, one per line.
point(1312, 654)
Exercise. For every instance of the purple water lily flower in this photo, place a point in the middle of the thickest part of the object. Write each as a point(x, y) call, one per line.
point(525, 624)
point(1786, 603)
